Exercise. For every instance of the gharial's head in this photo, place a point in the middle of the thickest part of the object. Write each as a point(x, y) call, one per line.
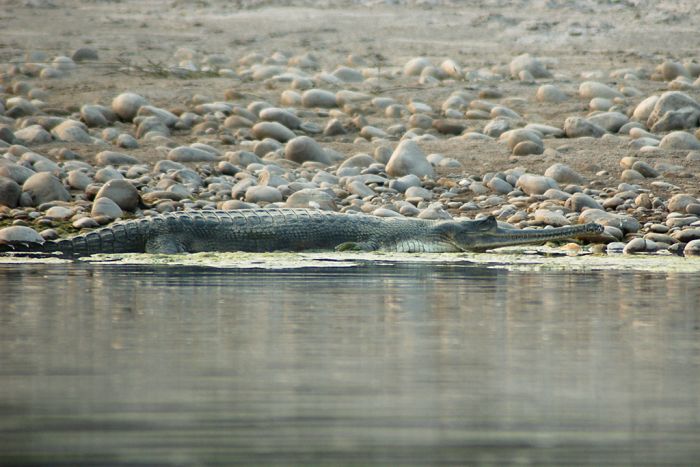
point(484, 234)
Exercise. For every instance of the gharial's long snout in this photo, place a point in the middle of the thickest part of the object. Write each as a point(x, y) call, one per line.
point(487, 235)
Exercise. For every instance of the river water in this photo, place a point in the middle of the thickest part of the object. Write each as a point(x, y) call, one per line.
point(388, 363)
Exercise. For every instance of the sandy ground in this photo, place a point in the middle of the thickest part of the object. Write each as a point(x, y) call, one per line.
point(572, 38)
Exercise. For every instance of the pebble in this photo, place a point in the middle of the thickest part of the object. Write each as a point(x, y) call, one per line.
point(262, 194)
point(18, 233)
point(44, 187)
point(577, 127)
point(592, 89)
point(691, 249)
point(303, 148)
point(318, 98)
point(274, 130)
point(674, 110)
point(562, 173)
point(609, 121)
point(94, 116)
point(59, 213)
point(527, 63)
point(33, 135)
point(123, 193)
point(87, 222)
point(311, 198)
point(415, 66)
point(126, 105)
point(284, 117)
point(10, 192)
point(78, 180)
point(106, 207)
point(679, 140)
point(83, 54)
point(408, 158)
point(535, 184)
point(680, 202)
point(553, 218)
point(190, 154)
point(106, 174)
point(580, 201)
point(115, 158)
point(627, 224)
point(550, 93)
point(18, 173)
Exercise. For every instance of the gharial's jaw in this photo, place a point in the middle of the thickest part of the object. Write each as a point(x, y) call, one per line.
point(500, 237)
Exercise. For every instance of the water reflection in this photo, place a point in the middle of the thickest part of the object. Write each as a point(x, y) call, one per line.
point(392, 364)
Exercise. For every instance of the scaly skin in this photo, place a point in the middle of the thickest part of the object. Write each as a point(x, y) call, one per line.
point(260, 230)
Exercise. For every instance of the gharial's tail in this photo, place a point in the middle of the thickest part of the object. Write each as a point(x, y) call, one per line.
point(120, 237)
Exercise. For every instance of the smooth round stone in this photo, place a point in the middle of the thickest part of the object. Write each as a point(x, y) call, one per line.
point(645, 108)
point(284, 117)
point(600, 104)
point(408, 158)
point(499, 185)
point(126, 141)
point(33, 135)
point(189, 154)
point(318, 98)
point(592, 89)
point(44, 187)
point(418, 192)
point(562, 173)
point(16, 172)
point(550, 93)
point(674, 110)
point(691, 249)
point(680, 202)
point(106, 207)
point(529, 64)
point(311, 198)
point(631, 176)
point(59, 213)
point(525, 148)
point(108, 173)
point(434, 212)
point(687, 235)
point(87, 222)
point(115, 158)
point(515, 137)
point(10, 192)
point(415, 66)
point(627, 224)
point(577, 127)
point(360, 189)
point(609, 121)
point(645, 169)
point(679, 140)
point(370, 132)
point(274, 130)
point(168, 118)
point(385, 212)
point(535, 184)
point(553, 218)
point(20, 233)
point(636, 245)
point(121, 192)
point(358, 160)
point(93, 116)
point(579, 201)
point(78, 180)
point(262, 194)
point(401, 184)
point(126, 105)
point(348, 75)
point(83, 54)
point(303, 148)
point(72, 131)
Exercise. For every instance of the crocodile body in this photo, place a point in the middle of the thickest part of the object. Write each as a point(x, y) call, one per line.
point(262, 230)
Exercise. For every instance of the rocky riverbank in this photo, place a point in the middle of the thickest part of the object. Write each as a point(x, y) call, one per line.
point(528, 139)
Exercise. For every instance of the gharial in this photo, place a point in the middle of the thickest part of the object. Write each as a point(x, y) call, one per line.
point(262, 230)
